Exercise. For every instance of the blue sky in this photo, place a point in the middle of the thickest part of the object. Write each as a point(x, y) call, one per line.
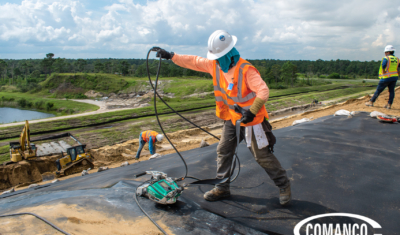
point(306, 29)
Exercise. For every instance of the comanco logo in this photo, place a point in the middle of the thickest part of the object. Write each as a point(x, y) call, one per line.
point(336, 229)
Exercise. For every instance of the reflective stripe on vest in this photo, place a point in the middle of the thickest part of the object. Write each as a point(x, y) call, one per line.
point(240, 82)
point(391, 68)
point(226, 98)
point(146, 136)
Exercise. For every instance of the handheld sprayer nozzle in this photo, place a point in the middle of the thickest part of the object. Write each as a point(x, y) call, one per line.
point(155, 49)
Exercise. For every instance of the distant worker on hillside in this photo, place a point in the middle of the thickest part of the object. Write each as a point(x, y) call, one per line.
point(150, 137)
point(389, 72)
point(236, 81)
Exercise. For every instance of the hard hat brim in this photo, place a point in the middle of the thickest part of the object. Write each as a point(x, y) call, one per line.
point(212, 56)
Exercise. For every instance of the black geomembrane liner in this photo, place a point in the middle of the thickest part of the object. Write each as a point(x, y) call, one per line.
point(336, 164)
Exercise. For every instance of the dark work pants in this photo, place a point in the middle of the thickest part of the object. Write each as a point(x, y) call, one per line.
point(264, 157)
point(383, 83)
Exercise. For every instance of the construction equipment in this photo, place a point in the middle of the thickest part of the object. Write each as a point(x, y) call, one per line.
point(161, 188)
point(24, 149)
point(77, 160)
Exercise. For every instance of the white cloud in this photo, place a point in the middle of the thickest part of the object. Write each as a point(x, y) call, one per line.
point(308, 29)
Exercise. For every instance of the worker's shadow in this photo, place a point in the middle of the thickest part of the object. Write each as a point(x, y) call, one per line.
point(261, 209)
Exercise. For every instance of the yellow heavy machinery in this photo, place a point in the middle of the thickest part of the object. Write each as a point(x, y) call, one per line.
point(77, 160)
point(24, 149)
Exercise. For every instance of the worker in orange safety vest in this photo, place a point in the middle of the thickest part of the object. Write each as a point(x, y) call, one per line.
point(236, 81)
point(150, 137)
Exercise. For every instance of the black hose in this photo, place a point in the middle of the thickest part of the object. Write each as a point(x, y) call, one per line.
point(159, 123)
point(155, 111)
point(162, 129)
point(41, 218)
point(148, 216)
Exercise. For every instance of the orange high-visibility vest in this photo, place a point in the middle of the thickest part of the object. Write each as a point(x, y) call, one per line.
point(146, 136)
point(240, 94)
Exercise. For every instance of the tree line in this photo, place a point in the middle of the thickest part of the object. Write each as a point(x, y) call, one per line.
point(271, 70)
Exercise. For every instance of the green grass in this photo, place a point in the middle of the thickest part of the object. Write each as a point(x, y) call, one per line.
point(4, 153)
point(59, 105)
point(82, 82)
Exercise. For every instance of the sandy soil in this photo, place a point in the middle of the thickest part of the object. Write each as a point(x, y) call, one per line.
point(74, 220)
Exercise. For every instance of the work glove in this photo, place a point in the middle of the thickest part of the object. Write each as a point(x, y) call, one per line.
point(248, 117)
point(164, 54)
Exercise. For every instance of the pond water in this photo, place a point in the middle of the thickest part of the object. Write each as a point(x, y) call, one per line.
point(8, 115)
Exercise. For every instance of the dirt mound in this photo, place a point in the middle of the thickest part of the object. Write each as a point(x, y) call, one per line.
point(128, 149)
point(94, 94)
point(26, 172)
point(115, 152)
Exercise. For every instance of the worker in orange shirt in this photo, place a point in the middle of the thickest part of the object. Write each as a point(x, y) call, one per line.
point(236, 81)
point(150, 137)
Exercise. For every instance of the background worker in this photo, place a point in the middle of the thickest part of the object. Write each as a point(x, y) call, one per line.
point(236, 81)
point(150, 137)
point(389, 73)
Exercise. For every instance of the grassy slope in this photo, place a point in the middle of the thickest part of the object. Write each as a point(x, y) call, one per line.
point(82, 82)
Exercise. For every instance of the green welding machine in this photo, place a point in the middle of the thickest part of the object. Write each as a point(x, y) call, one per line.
point(161, 188)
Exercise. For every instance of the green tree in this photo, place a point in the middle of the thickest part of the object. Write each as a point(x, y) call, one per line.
point(98, 66)
point(276, 72)
point(49, 106)
point(108, 67)
point(24, 67)
point(334, 75)
point(80, 64)
point(17, 71)
point(58, 65)
point(289, 72)
point(3, 68)
point(124, 67)
point(22, 102)
point(35, 74)
point(47, 62)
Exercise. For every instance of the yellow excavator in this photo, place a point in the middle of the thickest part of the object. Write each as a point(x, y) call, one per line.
point(24, 149)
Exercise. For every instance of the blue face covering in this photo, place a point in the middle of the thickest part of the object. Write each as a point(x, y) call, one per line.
point(225, 60)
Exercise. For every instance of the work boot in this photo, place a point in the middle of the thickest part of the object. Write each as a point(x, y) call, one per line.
point(285, 196)
point(216, 194)
point(369, 103)
point(388, 106)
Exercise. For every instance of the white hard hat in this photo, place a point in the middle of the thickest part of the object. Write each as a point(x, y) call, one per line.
point(219, 44)
point(389, 48)
point(159, 137)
